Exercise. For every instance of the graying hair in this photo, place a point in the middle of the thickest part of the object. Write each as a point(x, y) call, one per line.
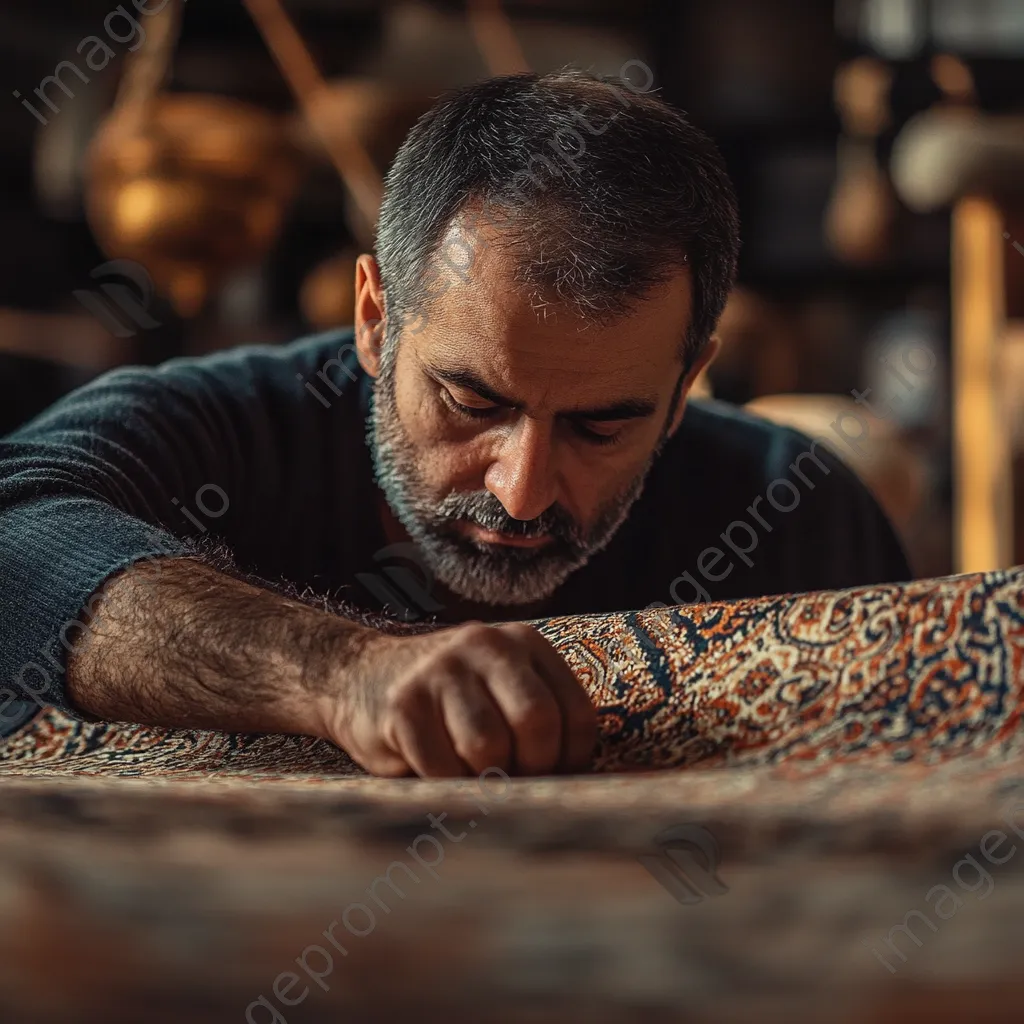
point(602, 191)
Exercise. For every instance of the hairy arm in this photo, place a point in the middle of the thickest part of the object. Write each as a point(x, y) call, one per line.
point(175, 642)
point(86, 495)
point(157, 463)
point(178, 643)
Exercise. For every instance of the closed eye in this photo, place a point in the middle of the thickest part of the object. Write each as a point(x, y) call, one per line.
point(597, 437)
point(468, 411)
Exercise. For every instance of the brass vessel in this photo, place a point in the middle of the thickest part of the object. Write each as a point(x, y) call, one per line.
point(193, 188)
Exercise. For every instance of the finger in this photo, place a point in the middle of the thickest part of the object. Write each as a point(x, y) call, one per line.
point(422, 739)
point(478, 730)
point(578, 714)
point(387, 765)
point(377, 757)
point(529, 708)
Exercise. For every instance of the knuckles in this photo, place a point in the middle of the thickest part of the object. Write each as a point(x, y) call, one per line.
point(477, 634)
point(533, 718)
point(408, 700)
point(520, 631)
point(537, 715)
point(486, 748)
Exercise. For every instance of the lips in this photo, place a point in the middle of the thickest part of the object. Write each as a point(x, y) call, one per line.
point(511, 540)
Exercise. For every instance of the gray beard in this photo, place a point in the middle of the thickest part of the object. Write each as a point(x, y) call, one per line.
point(486, 573)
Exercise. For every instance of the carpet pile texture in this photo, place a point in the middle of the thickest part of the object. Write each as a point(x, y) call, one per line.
point(853, 760)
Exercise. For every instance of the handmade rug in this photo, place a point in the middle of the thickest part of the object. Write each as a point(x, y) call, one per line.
point(925, 670)
point(838, 776)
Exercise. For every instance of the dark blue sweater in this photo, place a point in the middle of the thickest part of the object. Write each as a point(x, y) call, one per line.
point(235, 447)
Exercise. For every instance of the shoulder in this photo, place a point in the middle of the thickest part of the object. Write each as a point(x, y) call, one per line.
point(331, 352)
point(815, 522)
point(724, 439)
point(317, 371)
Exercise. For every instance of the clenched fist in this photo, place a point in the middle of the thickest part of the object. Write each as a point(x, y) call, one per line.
point(459, 701)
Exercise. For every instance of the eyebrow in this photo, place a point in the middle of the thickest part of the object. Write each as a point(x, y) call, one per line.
point(629, 408)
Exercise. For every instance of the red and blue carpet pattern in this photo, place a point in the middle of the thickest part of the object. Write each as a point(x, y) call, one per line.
point(850, 753)
point(922, 672)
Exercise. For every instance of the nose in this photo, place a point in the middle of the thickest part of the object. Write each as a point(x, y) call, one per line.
point(522, 476)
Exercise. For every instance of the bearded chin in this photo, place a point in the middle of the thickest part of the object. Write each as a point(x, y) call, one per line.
point(483, 573)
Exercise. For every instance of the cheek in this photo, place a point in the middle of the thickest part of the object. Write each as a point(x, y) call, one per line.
point(443, 448)
point(446, 459)
point(425, 419)
point(414, 407)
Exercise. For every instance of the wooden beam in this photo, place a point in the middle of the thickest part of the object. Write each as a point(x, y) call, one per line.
point(983, 513)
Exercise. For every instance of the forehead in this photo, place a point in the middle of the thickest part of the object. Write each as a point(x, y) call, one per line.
point(485, 320)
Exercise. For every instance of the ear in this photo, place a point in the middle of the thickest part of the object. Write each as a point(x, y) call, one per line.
point(369, 314)
point(702, 362)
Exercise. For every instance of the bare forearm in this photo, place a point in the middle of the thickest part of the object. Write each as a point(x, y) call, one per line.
point(174, 642)
point(177, 643)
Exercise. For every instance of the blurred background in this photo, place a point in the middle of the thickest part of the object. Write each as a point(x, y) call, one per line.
point(181, 177)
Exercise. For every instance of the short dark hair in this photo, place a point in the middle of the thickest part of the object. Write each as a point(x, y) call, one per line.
point(605, 189)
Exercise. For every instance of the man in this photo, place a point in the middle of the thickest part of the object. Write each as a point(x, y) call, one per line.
point(553, 255)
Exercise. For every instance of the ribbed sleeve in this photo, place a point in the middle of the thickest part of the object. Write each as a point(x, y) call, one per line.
point(121, 470)
point(56, 554)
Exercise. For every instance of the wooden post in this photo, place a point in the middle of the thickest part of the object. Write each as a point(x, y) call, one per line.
point(983, 524)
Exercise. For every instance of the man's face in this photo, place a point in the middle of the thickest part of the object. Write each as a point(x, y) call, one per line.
point(511, 441)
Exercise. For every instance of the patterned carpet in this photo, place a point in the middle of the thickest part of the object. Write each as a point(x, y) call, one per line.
point(919, 672)
point(850, 756)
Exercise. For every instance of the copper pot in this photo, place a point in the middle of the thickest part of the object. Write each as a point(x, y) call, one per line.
point(194, 189)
